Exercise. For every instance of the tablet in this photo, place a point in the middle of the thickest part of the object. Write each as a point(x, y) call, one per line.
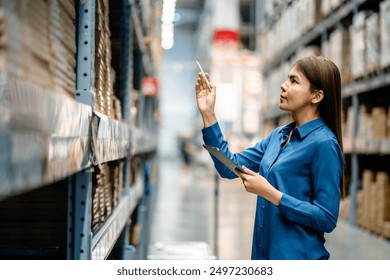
point(223, 158)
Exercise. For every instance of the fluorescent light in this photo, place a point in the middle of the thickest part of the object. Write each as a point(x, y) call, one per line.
point(167, 19)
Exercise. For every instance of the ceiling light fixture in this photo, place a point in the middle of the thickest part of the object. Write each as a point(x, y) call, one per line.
point(167, 29)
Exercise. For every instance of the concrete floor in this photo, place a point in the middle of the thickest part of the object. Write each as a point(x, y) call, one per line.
point(187, 213)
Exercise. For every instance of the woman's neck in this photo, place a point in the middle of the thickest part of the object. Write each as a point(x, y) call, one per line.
point(301, 119)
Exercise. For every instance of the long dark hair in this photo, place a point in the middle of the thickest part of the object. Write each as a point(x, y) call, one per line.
point(324, 75)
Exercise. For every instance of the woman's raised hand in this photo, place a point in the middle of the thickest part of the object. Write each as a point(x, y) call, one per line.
point(206, 99)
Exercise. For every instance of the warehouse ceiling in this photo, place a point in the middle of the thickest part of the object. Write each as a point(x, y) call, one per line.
point(190, 12)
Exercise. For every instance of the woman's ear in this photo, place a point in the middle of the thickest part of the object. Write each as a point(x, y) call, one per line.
point(318, 95)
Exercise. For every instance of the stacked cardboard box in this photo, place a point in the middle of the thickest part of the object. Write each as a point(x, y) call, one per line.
point(374, 203)
point(337, 48)
point(117, 181)
point(104, 79)
point(358, 45)
point(107, 189)
point(373, 135)
point(291, 22)
point(63, 45)
point(24, 44)
point(327, 6)
point(38, 44)
point(104, 194)
point(372, 43)
point(345, 204)
point(35, 24)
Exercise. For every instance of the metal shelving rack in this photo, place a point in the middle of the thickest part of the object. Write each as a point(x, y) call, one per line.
point(100, 139)
point(352, 91)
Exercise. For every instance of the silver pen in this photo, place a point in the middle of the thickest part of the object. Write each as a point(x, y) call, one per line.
point(204, 76)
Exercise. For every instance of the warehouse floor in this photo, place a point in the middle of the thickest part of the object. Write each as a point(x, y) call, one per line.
point(187, 214)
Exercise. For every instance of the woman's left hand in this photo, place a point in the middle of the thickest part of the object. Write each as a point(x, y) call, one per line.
point(257, 184)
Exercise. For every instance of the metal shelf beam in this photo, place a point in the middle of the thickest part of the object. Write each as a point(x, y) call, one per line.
point(41, 146)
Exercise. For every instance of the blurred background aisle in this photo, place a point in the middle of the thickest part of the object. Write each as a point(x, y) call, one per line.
point(100, 143)
point(190, 197)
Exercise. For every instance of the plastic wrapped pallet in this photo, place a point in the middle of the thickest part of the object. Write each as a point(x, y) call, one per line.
point(372, 42)
point(384, 28)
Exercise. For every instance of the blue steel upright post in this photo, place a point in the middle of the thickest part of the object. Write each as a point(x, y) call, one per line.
point(80, 185)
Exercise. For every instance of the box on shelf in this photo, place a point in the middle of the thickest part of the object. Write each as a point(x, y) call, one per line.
point(374, 202)
point(384, 27)
point(372, 43)
point(358, 45)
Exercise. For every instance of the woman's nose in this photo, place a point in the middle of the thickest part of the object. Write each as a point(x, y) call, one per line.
point(283, 87)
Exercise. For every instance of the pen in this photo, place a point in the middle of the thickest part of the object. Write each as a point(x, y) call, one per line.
point(204, 76)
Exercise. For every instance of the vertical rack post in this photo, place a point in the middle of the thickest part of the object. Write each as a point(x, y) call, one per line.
point(79, 229)
point(80, 185)
point(354, 158)
point(85, 52)
point(354, 164)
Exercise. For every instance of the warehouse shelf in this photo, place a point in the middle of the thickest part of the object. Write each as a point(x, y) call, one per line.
point(74, 148)
point(41, 146)
point(112, 139)
point(105, 238)
point(316, 32)
point(38, 146)
point(142, 142)
point(352, 34)
point(141, 38)
point(367, 83)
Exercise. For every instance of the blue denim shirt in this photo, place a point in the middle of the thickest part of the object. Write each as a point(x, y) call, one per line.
point(307, 171)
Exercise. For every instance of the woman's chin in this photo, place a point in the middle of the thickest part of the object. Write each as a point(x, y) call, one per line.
point(282, 107)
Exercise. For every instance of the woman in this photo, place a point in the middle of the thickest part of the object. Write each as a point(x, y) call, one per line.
point(297, 171)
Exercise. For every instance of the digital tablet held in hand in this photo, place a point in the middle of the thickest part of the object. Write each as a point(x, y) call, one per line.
point(223, 158)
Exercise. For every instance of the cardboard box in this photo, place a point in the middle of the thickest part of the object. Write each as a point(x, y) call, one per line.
point(372, 43)
point(384, 27)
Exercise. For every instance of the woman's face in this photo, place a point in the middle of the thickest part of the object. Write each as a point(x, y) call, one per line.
point(295, 95)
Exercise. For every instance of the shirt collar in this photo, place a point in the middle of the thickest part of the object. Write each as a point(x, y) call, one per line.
point(304, 129)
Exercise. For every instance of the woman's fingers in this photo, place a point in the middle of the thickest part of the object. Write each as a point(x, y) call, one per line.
point(248, 171)
point(209, 79)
